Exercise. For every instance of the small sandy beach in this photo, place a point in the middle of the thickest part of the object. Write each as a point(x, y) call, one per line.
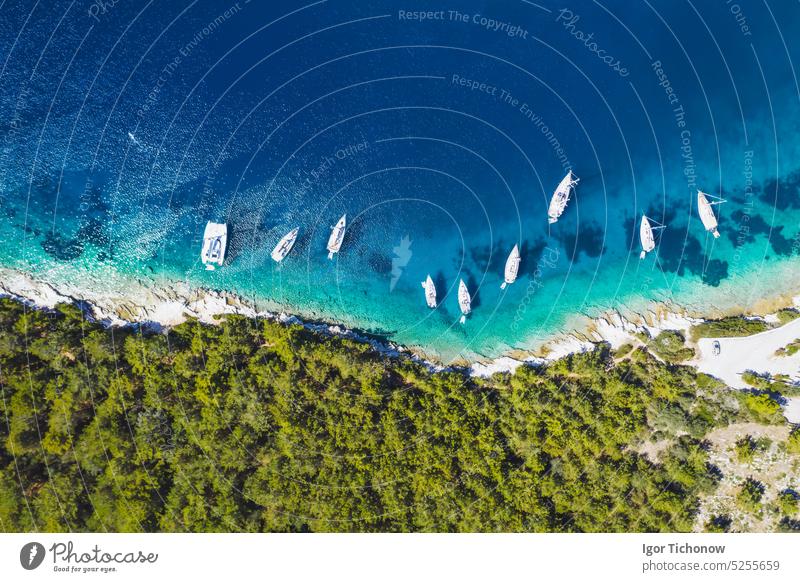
point(755, 352)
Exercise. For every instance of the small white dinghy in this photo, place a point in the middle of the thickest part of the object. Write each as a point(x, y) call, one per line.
point(430, 292)
point(337, 236)
point(707, 213)
point(284, 246)
point(464, 300)
point(646, 235)
point(215, 240)
point(561, 196)
point(512, 267)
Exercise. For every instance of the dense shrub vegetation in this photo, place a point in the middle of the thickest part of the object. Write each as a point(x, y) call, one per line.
point(256, 426)
point(763, 407)
point(745, 449)
point(787, 314)
point(718, 524)
point(669, 345)
point(790, 349)
point(787, 502)
point(778, 386)
point(729, 327)
point(793, 442)
point(756, 380)
point(750, 494)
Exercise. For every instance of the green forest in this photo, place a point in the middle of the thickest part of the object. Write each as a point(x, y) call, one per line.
point(252, 425)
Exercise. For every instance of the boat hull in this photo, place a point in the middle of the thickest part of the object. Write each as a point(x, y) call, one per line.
point(215, 242)
point(464, 301)
point(707, 214)
point(558, 202)
point(646, 237)
point(512, 268)
point(284, 246)
point(430, 292)
point(337, 237)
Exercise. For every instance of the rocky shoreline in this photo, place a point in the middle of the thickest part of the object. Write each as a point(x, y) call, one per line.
point(163, 307)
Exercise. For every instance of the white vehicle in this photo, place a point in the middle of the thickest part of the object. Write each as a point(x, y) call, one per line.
point(512, 267)
point(707, 213)
point(464, 300)
point(561, 196)
point(430, 292)
point(215, 240)
point(284, 246)
point(337, 236)
point(646, 235)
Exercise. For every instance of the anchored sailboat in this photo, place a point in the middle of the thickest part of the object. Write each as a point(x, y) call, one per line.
point(646, 235)
point(430, 292)
point(512, 267)
point(215, 239)
point(284, 246)
point(464, 300)
point(707, 213)
point(337, 236)
point(561, 196)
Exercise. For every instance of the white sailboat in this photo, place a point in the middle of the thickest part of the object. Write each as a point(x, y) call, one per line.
point(464, 300)
point(215, 240)
point(707, 213)
point(512, 267)
point(561, 196)
point(337, 236)
point(646, 235)
point(430, 292)
point(284, 245)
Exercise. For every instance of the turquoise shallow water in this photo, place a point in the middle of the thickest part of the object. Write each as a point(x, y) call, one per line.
point(441, 138)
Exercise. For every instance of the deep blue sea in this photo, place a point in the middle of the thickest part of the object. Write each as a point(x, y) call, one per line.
point(440, 128)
